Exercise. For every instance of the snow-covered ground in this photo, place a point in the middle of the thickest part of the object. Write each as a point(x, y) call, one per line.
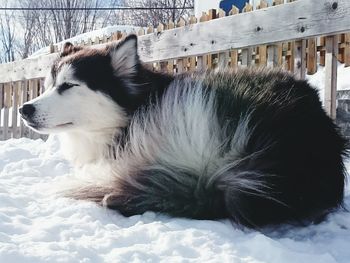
point(38, 226)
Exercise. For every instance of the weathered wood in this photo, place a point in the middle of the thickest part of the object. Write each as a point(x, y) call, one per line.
point(211, 57)
point(277, 24)
point(192, 64)
point(300, 19)
point(331, 75)
point(300, 59)
point(202, 60)
point(262, 52)
point(15, 100)
point(24, 99)
point(180, 62)
point(272, 56)
point(234, 53)
point(163, 65)
point(347, 50)
point(171, 25)
point(322, 52)
point(27, 68)
point(311, 56)
point(247, 53)
point(7, 105)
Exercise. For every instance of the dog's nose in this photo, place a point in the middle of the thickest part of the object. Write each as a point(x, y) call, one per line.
point(27, 111)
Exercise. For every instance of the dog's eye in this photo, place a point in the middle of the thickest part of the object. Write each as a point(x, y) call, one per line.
point(61, 88)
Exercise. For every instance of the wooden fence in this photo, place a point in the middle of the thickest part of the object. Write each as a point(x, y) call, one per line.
point(269, 36)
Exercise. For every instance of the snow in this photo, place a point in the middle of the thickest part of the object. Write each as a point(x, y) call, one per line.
point(106, 31)
point(39, 226)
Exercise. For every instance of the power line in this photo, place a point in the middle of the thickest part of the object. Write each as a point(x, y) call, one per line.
point(90, 8)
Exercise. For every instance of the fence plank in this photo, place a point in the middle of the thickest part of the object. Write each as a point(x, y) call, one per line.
point(211, 57)
point(300, 59)
point(163, 64)
point(311, 56)
point(180, 61)
point(347, 50)
point(247, 53)
point(24, 94)
point(192, 67)
point(234, 53)
point(14, 109)
point(7, 105)
point(202, 60)
point(331, 75)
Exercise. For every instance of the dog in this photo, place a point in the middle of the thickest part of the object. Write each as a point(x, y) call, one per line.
point(254, 145)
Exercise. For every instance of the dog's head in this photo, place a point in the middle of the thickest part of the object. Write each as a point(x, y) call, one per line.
point(86, 89)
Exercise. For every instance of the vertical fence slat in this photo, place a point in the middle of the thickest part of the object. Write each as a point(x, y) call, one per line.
point(180, 62)
point(223, 56)
point(311, 56)
point(7, 104)
point(331, 75)
point(192, 67)
point(300, 59)
point(262, 50)
point(234, 53)
point(202, 60)
point(24, 96)
point(211, 57)
point(247, 53)
point(14, 109)
point(347, 50)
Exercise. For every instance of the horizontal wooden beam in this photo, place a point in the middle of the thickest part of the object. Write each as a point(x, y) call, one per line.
point(296, 20)
point(30, 68)
point(291, 21)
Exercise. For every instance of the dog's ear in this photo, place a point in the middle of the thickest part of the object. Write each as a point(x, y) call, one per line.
point(124, 57)
point(69, 48)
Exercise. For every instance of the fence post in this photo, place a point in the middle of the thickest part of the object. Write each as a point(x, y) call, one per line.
point(331, 75)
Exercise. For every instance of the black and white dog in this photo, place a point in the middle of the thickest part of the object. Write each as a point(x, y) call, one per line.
point(254, 146)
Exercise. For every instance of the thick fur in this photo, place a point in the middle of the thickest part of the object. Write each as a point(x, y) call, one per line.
point(254, 146)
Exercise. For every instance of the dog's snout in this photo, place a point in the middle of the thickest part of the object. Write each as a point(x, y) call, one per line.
point(27, 111)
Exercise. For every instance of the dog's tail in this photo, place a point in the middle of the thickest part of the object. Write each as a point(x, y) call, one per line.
point(231, 192)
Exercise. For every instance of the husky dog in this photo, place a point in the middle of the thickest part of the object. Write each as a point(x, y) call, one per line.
point(254, 146)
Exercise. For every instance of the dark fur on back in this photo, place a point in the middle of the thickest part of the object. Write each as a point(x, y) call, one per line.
point(263, 150)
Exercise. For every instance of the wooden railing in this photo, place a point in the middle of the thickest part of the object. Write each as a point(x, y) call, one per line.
point(297, 36)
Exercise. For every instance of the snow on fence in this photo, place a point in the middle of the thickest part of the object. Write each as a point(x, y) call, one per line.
point(298, 36)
